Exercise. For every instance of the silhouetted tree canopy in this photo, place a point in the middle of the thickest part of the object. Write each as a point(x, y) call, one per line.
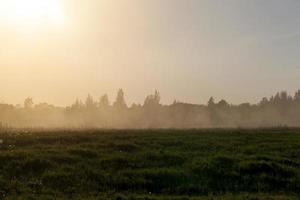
point(152, 100)
point(120, 100)
point(104, 101)
point(28, 103)
point(211, 102)
point(89, 102)
point(281, 109)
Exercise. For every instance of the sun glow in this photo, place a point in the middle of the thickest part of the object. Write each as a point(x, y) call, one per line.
point(31, 12)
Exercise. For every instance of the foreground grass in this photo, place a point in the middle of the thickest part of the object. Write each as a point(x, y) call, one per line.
point(150, 164)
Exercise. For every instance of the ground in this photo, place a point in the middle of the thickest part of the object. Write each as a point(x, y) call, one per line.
point(150, 164)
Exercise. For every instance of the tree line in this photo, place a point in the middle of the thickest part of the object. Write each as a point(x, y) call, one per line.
point(281, 109)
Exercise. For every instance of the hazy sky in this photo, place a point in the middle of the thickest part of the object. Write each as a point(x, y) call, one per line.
point(189, 50)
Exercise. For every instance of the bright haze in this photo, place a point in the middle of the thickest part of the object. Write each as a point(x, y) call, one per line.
point(58, 50)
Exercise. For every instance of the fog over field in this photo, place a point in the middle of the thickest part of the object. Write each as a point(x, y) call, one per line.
point(279, 110)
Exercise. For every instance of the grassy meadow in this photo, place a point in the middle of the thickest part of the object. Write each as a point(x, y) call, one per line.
point(150, 164)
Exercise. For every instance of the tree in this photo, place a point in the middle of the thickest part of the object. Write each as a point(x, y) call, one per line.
point(211, 102)
point(284, 96)
point(264, 101)
point(28, 103)
point(277, 98)
point(89, 102)
point(135, 106)
point(120, 100)
point(104, 101)
point(152, 100)
point(44, 106)
point(77, 105)
point(223, 104)
point(297, 96)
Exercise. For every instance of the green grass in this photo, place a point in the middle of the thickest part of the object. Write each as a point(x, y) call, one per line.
point(150, 164)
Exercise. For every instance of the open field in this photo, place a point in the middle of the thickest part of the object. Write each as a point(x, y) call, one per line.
point(150, 164)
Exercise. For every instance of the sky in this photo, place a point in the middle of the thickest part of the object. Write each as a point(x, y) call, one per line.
point(190, 50)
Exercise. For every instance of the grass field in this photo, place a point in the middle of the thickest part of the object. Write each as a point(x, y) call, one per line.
point(150, 164)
